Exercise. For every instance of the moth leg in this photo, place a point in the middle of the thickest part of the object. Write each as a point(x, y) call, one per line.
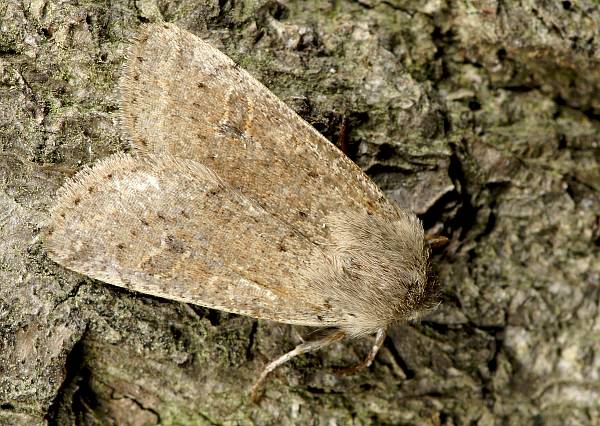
point(436, 241)
point(379, 338)
point(298, 336)
point(298, 350)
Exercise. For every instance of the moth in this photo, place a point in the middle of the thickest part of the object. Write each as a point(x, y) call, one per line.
point(231, 201)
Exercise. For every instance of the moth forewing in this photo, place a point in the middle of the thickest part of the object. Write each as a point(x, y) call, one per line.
point(203, 242)
point(233, 202)
point(211, 110)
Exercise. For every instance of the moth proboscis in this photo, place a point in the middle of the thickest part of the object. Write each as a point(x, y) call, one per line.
point(231, 201)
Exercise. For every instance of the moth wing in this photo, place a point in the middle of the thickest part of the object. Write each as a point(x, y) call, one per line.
point(172, 228)
point(182, 96)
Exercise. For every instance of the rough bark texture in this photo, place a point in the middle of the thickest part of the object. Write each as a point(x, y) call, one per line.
point(483, 116)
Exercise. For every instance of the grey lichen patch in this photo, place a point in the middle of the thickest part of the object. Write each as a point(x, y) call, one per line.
point(538, 258)
point(553, 46)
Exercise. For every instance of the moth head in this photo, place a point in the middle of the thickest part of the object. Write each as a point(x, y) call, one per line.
point(376, 271)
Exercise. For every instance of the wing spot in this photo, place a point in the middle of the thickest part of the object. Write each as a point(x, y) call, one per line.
point(302, 214)
point(76, 200)
point(120, 246)
point(212, 192)
point(174, 244)
point(232, 130)
point(90, 189)
point(144, 222)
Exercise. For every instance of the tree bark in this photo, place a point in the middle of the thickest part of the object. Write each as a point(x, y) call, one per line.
point(483, 117)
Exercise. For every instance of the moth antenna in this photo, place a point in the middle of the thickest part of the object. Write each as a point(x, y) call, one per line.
point(255, 392)
point(379, 339)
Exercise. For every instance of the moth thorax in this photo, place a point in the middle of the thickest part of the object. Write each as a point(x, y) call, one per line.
point(375, 272)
